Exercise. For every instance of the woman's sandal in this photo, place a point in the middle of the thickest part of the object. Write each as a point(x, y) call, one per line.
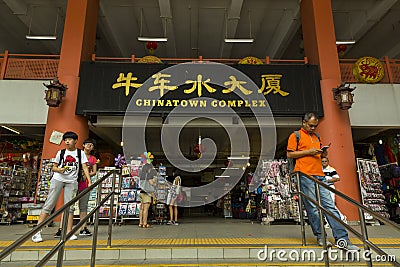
point(147, 226)
point(140, 225)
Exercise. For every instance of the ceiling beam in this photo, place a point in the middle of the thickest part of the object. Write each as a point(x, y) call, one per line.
point(166, 17)
point(21, 10)
point(373, 16)
point(107, 33)
point(233, 17)
point(287, 27)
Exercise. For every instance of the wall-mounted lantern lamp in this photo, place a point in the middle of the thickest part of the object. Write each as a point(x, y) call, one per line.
point(55, 92)
point(343, 96)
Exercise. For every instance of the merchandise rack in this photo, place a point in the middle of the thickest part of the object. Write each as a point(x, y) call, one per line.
point(161, 196)
point(15, 193)
point(372, 196)
point(129, 198)
point(277, 201)
point(106, 187)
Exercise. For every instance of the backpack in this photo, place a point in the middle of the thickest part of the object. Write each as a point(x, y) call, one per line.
point(79, 152)
point(147, 187)
point(292, 161)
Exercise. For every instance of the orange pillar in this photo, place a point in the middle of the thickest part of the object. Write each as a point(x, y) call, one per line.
point(320, 48)
point(77, 45)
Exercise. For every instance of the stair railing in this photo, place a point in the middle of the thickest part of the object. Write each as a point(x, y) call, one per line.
point(59, 247)
point(363, 236)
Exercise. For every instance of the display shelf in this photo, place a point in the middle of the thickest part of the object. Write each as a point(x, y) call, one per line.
point(160, 209)
point(129, 198)
point(106, 188)
point(44, 182)
point(277, 201)
point(14, 193)
point(371, 189)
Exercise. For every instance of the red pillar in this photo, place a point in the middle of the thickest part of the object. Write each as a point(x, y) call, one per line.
point(77, 45)
point(320, 48)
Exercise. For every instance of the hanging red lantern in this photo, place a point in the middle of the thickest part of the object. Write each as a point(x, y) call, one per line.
point(228, 164)
point(341, 48)
point(198, 149)
point(151, 46)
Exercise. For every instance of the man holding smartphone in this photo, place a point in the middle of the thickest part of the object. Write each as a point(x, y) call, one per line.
point(307, 152)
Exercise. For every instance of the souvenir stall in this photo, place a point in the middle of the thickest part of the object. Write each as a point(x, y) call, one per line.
point(18, 179)
point(160, 207)
point(277, 202)
point(371, 189)
point(390, 174)
point(129, 198)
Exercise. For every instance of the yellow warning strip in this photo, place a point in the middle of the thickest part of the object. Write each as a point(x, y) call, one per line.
point(232, 264)
point(198, 242)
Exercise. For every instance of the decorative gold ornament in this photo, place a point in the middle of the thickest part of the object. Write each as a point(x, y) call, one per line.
point(149, 60)
point(251, 60)
point(368, 70)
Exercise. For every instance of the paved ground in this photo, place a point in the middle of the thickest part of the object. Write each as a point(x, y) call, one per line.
point(198, 228)
point(232, 242)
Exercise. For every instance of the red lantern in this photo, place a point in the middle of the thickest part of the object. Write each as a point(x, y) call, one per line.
point(198, 149)
point(151, 46)
point(228, 164)
point(341, 48)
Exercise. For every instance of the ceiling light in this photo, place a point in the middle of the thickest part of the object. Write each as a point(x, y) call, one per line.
point(230, 168)
point(242, 40)
point(222, 176)
point(152, 39)
point(346, 42)
point(41, 37)
point(11, 129)
point(243, 158)
point(237, 40)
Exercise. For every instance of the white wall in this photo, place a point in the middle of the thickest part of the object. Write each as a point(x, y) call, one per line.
point(22, 102)
point(376, 105)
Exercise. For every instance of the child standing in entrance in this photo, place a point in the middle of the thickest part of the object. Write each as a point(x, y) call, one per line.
point(67, 168)
point(173, 193)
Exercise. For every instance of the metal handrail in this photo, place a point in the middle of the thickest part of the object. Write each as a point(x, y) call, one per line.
point(65, 236)
point(361, 208)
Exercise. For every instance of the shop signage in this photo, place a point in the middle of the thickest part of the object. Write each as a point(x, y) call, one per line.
point(107, 88)
point(368, 70)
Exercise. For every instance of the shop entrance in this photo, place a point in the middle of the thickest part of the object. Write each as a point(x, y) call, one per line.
point(189, 147)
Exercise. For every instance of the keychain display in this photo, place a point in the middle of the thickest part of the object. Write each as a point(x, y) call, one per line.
point(278, 201)
point(371, 188)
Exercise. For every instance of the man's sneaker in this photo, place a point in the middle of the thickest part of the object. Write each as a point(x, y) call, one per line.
point(58, 234)
point(85, 232)
point(346, 245)
point(73, 237)
point(176, 223)
point(37, 237)
point(320, 243)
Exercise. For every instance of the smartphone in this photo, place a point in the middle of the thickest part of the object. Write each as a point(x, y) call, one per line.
point(324, 148)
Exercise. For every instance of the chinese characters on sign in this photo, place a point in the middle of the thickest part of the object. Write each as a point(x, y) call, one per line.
point(123, 81)
point(271, 83)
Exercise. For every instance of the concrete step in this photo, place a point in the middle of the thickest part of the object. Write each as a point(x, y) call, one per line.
point(226, 251)
point(190, 263)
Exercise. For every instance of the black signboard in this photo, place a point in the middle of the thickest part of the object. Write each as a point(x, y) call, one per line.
point(107, 88)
